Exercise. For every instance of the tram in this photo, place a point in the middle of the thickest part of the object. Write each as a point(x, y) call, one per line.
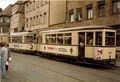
point(118, 42)
point(4, 37)
point(87, 44)
point(23, 41)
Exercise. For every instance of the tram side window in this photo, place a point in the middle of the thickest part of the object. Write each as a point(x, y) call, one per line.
point(47, 39)
point(14, 40)
point(118, 40)
point(40, 39)
point(28, 39)
point(60, 38)
point(89, 38)
point(67, 38)
point(53, 38)
point(110, 38)
point(17, 39)
point(98, 38)
point(20, 39)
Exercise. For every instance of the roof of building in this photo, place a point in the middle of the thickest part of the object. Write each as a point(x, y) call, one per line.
point(7, 11)
point(21, 6)
point(18, 2)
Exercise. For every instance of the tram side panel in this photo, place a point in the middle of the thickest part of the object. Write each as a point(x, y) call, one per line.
point(60, 50)
point(65, 50)
point(89, 52)
point(100, 53)
point(22, 46)
point(92, 52)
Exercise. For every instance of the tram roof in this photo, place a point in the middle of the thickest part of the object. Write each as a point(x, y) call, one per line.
point(21, 33)
point(78, 28)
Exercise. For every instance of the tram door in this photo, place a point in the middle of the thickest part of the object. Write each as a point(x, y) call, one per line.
point(81, 45)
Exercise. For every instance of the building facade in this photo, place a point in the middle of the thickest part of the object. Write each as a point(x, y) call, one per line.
point(36, 15)
point(51, 14)
point(5, 16)
point(17, 19)
point(91, 12)
point(102, 12)
point(57, 11)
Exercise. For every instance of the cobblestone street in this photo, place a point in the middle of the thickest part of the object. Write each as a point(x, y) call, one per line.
point(27, 68)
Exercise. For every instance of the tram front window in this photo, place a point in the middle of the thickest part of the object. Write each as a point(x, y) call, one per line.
point(110, 39)
point(98, 38)
point(89, 38)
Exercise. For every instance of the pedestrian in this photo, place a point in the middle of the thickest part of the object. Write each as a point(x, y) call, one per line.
point(4, 56)
point(9, 58)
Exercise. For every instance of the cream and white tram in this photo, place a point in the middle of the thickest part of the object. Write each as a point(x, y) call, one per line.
point(4, 37)
point(23, 42)
point(88, 44)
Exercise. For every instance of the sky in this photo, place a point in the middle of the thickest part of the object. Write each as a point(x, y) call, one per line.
point(5, 3)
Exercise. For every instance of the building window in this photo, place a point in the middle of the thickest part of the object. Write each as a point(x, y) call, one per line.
point(71, 15)
point(26, 9)
point(101, 8)
point(30, 22)
point(37, 20)
point(78, 14)
point(42, 3)
point(40, 19)
point(27, 22)
point(116, 6)
point(46, 1)
point(33, 5)
point(33, 21)
point(30, 4)
point(37, 4)
point(44, 18)
point(89, 12)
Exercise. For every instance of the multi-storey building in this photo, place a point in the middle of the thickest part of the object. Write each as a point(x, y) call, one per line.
point(52, 14)
point(57, 11)
point(91, 12)
point(5, 16)
point(36, 15)
point(17, 19)
point(101, 12)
